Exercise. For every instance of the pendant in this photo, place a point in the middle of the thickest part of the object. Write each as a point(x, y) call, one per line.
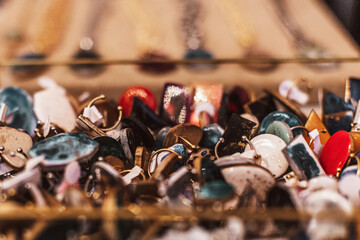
point(64, 148)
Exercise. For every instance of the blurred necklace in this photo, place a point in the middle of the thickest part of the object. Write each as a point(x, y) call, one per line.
point(243, 33)
point(47, 35)
point(193, 34)
point(305, 47)
point(147, 38)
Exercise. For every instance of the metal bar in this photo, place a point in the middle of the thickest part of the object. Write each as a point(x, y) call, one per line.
point(243, 61)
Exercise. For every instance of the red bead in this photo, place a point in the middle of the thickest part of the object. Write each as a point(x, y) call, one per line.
point(127, 98)
point(335, 152)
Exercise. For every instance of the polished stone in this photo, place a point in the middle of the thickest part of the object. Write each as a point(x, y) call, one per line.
point(160, 137)
point(280, 129)
point(335, 152)
point(290, 119)
point(20, 109)
point(269, 147)
point(64, 148)
point(211, 135)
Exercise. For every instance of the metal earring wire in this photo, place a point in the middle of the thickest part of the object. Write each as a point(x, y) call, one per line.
point(157, 152)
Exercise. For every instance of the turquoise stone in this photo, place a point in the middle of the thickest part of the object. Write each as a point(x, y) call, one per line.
point(216, 190)
point(199, 54)
point(63, 148)
point(179, 149)
point(211, 135)
point(20, 105)
point(280, 129)
point(290, 119)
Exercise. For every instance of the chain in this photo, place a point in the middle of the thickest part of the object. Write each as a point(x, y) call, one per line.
point(145, 31)
point(50, 27)
point(240, 27)
point(290, 24)
point(190, 24)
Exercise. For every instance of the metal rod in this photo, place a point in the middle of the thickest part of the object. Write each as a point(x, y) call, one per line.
point(176, 61)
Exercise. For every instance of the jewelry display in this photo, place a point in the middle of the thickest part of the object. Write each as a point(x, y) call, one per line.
point(147, 39)
point(244, 34)
point(87, 43)
point(193, 34)
point(231, 153)
point(47, 36)
point(305, 47)
point(14, 35)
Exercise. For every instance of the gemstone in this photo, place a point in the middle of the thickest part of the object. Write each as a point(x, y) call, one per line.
point(289, 106)
point(129, 143)
point(302, 159)
point(335, 152)
point(269, 147)
point(109, 147)
point(160, 137)
point(193, 54)
point(126, 100)
point(146, 115)
point(211, 135)
point(28, 69)
point(234, 131)
point(20, 109)
point(156, 68)
point(280, 129)
point(64, 148)
point(261, 107)
point(290, 119)
point(87, 70)
point(174, 108)
point(216, 190)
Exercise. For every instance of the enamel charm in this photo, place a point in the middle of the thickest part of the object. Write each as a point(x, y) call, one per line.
point(302, 159)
